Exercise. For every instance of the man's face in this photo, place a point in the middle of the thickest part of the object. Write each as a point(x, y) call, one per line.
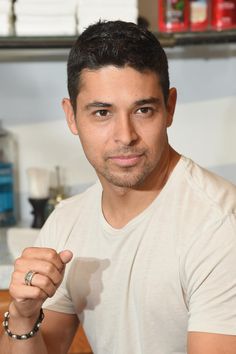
point(122, 120)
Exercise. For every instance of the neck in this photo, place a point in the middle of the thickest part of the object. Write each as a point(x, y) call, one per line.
point(120, 205)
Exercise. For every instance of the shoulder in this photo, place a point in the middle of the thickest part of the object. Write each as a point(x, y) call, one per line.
point(211, 189)
point(203, 207)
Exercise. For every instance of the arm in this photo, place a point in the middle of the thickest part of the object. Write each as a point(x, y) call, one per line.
point(211, 343)
point(58, 337)
point(49, 339)
point(211, 291)
point(27, 301)
point(35, 346)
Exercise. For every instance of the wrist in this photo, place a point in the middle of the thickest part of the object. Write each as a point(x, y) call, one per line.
point(21, 313)
point(17, 330)
point(21, 321)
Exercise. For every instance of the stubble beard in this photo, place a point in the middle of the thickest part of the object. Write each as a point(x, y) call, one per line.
point(127, 177)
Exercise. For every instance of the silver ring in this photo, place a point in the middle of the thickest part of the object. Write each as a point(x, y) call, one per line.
point(28, 277)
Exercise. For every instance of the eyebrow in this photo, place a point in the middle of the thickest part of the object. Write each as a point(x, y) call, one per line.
point(97, 104)
point(143, 101)
point(151, 100)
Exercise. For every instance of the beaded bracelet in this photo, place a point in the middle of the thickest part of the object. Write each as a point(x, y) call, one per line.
point(22, 336)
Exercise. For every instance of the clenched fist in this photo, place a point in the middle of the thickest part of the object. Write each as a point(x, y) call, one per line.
point(48, 267)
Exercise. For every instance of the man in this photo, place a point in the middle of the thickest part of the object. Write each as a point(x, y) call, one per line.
point(153, 242)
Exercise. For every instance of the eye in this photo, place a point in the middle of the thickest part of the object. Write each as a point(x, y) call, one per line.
point(145, 111)
point(101, 113)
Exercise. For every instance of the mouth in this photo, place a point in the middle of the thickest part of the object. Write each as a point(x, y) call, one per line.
point(126, 160)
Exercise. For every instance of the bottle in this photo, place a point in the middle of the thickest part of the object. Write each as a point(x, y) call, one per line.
point(199, 15)
point(7, 198)
point(57, 194)
point(173, 15)
point(223, 14)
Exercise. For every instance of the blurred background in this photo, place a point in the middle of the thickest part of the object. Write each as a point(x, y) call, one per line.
point(41, 162)
point(33, 83)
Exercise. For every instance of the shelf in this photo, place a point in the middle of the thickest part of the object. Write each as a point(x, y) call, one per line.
point(57, 48)
point(197, 38)
point(14, 42)
point(167, 40)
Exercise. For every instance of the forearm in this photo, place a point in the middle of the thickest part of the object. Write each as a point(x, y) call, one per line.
point(35, 345)
point(16, 325)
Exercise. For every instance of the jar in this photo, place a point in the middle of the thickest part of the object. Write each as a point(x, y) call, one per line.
point(173, 15)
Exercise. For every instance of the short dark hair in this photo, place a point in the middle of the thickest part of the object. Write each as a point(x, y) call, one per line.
point(116, 43)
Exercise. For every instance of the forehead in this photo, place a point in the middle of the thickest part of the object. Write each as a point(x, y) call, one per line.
point(114, 80)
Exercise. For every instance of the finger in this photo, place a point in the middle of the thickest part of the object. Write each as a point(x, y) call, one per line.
point(66, 256)
point(23, 265)
point(24, 292)
point(42, 282)
point(47, 254)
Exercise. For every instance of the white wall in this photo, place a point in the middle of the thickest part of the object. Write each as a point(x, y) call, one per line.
point(204, 126)
point(205, 119)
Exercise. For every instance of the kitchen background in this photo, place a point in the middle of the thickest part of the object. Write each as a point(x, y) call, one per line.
point(33, 83)
point(31, 90)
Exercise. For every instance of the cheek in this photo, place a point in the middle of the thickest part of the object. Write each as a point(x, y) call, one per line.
point(154, 136)
point(93, 143)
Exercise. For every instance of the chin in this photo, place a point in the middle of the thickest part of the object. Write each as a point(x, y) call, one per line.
point(126, 181)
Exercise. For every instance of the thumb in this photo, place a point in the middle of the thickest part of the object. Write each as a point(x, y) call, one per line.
point(66, 256)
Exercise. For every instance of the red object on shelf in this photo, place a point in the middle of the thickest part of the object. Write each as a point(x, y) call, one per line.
point(199, 15)
point(173, 15)
point(223, 14)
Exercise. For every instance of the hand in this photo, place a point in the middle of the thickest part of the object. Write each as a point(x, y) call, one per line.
point(49, 267)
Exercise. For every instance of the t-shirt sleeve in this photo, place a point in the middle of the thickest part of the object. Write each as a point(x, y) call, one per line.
point(51, 237)
point(209, 279)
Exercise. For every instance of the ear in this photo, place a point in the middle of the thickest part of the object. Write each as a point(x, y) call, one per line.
point(171, 105)
point(70, 116)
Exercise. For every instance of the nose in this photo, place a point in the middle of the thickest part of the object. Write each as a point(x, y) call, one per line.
point(124, 130)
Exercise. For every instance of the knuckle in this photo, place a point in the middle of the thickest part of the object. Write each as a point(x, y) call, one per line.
point(11, 289)
point(51, 290)
point(26, 251)
point(49, 268)
point(14, 291)
point(58, 280)
point(17, 262)
point(36, 293)
point(51, 254)
point(46, 282)
point(14, 277)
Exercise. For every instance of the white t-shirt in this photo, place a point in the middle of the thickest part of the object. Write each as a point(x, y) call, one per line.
point(170, 270)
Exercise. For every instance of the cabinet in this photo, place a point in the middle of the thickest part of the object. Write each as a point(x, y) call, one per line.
point(80, 344)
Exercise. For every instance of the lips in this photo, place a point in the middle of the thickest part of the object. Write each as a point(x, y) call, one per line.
point(126, 160)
